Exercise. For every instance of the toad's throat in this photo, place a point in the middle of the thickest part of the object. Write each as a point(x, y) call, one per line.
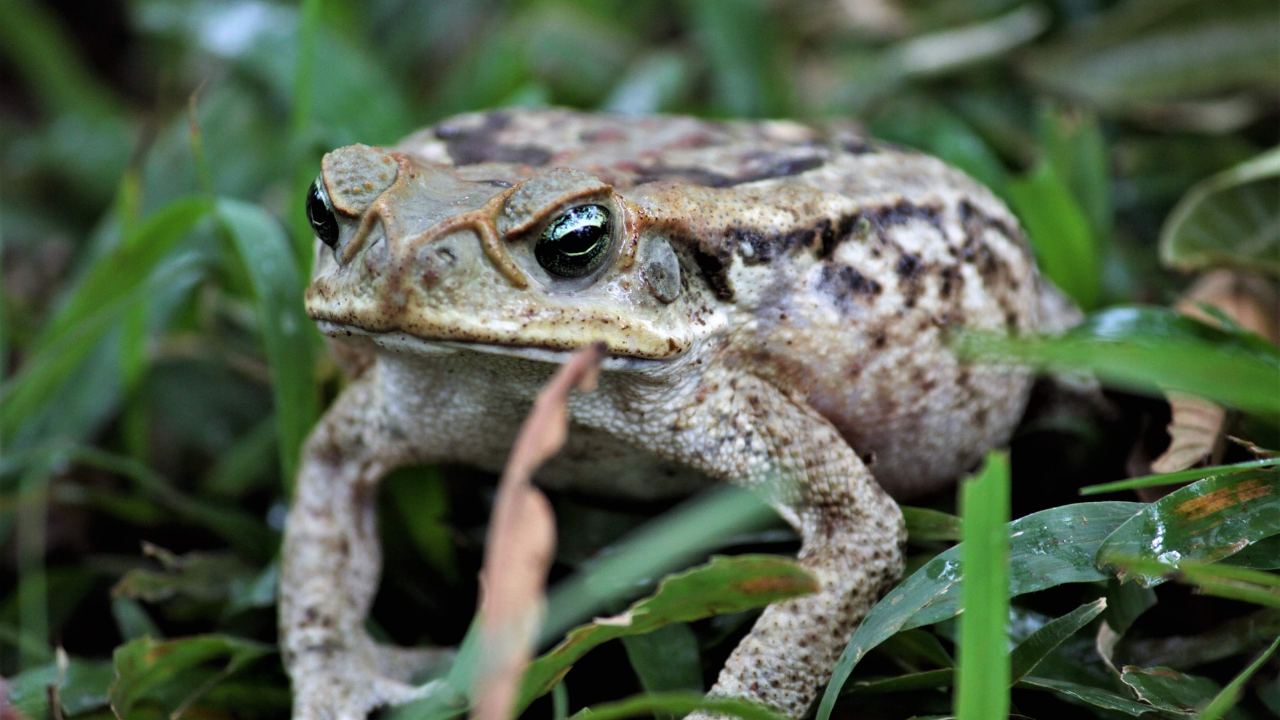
point(399, 341)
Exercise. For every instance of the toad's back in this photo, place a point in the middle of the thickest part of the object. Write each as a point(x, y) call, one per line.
point(841, 266)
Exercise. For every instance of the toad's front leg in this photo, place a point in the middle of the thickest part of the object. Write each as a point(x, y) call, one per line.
point(330, 567)
point(746, 431)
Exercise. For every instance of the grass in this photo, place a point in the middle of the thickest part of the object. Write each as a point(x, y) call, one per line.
point(159, 374)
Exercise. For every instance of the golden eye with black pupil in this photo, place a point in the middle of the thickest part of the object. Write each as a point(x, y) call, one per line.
point(320, 213)
point(575, 244)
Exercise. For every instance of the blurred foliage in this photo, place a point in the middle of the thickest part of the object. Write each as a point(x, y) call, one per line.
point(159, 375)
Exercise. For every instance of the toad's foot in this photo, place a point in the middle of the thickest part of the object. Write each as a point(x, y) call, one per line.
point(349, 694)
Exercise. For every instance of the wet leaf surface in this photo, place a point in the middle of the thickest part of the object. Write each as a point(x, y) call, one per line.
point(1047, 548)
point(1209, 520)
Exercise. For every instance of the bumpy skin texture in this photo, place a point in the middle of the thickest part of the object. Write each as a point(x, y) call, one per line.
point(776, 299)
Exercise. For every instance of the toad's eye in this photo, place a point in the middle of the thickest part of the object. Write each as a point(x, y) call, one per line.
point(320, 213)
point(575, 244)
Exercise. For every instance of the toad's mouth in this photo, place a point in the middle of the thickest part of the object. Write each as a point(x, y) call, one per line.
point(398, 341)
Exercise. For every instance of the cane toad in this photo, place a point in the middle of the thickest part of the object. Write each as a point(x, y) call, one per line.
point(774, 298)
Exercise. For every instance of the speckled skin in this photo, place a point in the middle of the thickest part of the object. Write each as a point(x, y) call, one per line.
point(818, 279)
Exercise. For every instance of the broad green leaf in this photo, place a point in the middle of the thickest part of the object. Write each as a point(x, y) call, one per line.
point(926, 524)
point(915, 647)
point(286, 330)
point(1232, 219)
point(1206, 521)
point(724, 585)
point(1208, 49)
point(678, 704)
point(983, 668)
point(1065, 245)
point(1151, 349)
point(1023, 659)
point(1097, 697)
point(1047, 548)
point(666, 659)
point(1230, 694)
point(1176, 478)
point(1030, 652)
point(1126, 602)
point(1261, 555)
point(81, 688)
point(146, 665)
point(1169, 690)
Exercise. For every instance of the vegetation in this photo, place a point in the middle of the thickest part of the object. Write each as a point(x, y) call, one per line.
point(160, 374)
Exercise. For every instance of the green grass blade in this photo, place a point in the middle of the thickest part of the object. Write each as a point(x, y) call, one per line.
point(560, 702)
point(983, 668)
point(50, 366)
point(1230, 694)
point(286, 331)
point(1244, 584)
point(1149, 350)
point(738, 39)
point(654, 549)
point(1024, 658)
point(38, 47)
point(1064, 242)
point(926, 680)
point(725, 584)
point(305, 67)
point(240, 529)
point(30, 547)
point(1175, 478)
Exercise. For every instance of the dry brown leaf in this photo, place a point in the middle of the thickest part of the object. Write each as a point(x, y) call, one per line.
point(1196, 429)
point(521, 543)
point(1249, 300)
point(1195, 432)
